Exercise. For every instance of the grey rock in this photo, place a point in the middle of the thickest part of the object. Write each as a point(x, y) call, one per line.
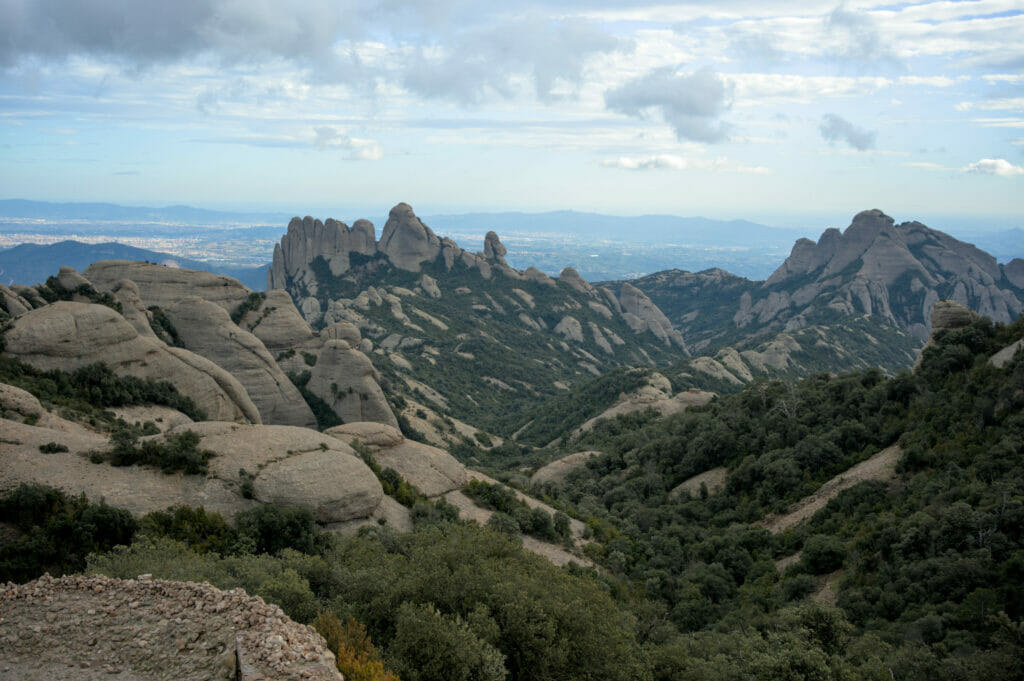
point(162, 286)
point(278, 323)
point(69, 335)
point(346, 379)
point(335, 486)
point(207, 330)
point(406, 241)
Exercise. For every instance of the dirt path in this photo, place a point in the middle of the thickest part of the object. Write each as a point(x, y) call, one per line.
point(714, 482)
point(881, 466)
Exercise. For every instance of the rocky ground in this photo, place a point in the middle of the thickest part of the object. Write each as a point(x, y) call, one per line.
point(84, 628)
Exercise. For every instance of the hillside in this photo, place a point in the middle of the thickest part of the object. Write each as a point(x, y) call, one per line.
point(462, 333)
point(887, 276)
point(29, 264)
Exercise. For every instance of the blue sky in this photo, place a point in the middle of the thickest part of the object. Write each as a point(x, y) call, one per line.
point(737, 108)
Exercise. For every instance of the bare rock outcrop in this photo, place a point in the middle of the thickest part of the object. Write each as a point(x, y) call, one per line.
point(573, 279)
point(346, 379)
point(570, 328)
point(69, 335)
point(278, 323)
point(643, 315)
point(308, 239)
point(83, 628)
point(431, 470)
point(948, 315)
point(314, 480)
point(12, 303)
point(895, 272)
point(163, 286)
point(406, 241)
point(558, 470)
point(207, 330)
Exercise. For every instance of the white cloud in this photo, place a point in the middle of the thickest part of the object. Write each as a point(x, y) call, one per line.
point(673, 162)
point(993, 166)
point(328, 137)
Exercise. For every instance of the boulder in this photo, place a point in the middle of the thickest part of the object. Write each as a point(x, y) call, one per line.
point(163, 286)
point(948, 315)
point(570, 328)
point(68, 335)
point(12, 303)
point(345, 379)
point(207, 330)
point(69, 279)
point(573, 279)
point(334, 485)
point(342, 330)
point(372, 435)
point(493, 248)
point(278, 323)
point(21, 402)
point(431, 470)
point(406, 241)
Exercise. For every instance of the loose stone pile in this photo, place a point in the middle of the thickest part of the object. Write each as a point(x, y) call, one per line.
point(83, 628)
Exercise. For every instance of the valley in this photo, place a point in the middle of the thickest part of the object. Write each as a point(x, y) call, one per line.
point(505, 474)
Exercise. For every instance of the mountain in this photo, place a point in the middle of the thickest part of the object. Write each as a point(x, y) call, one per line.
point(30, 264)
point(867, 291)
point(464, 333)
point(45, 210)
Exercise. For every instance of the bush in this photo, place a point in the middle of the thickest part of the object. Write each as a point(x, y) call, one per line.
point(822, 553)
point(355, 655)
point(270, 529)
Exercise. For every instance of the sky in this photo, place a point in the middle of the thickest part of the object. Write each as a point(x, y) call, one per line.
point(761, 109)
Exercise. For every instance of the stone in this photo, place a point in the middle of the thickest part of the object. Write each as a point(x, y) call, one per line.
point(572, 278)
point(335, 486)
point(431, 470)
point(67, 335)
point(406, 241)
point(21, 402)
point(643, 315)
point(207, 330)
point(162, 286)
point(370, 434)
point(342, 330)
point(570, 328)
point(429, 286)
point(948, 315)
point(346, 379)
point(493, 248)
point(69, 279)
point(278, 323)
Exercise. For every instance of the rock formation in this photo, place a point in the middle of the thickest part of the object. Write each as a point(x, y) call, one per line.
point(69, 335)
point(643, 315)
point(207, 330)
point(162, 286)
point(895, 272)
point(406, 241)
point(278, 323)
point(346, 380)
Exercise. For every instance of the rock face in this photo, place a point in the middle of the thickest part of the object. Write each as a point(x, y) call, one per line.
point(431, 470)
point(278, 323)
point(162, 286)
point(346, 380)
point(406, 241)
point(643, 315)
point(948, 315)
point(68, 335)
point(308, 239)
point(314, 480)
point(153, 629)
point(207, 330)
point(896, 272)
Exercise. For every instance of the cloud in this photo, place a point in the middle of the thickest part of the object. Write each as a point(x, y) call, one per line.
point(328, 137)
point(993, 166)
point(494, 59)
point(689, 102)
point(673, 162)
point(837, 129)
point(855, 36)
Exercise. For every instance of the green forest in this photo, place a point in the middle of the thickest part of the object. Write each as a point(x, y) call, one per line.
point(920, 576)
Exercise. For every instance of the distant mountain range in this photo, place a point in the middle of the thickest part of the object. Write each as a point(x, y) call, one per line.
point(45, 210)
point(31, 264)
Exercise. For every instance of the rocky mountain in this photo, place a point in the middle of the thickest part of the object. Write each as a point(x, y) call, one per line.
point(463, 334)
point(854, 298)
